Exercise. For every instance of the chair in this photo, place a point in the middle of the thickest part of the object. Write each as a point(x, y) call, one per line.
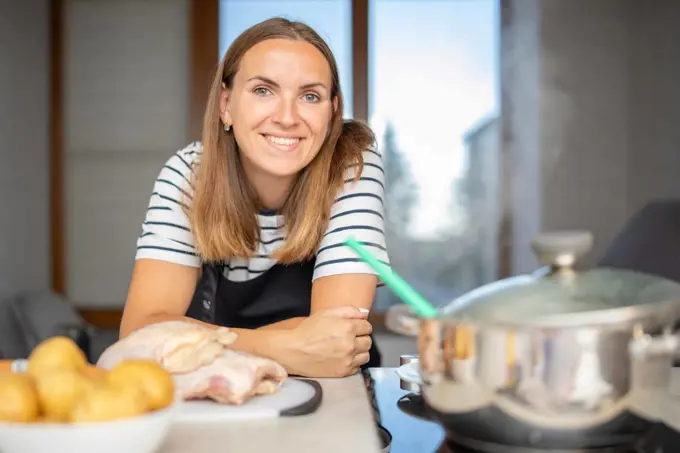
point(28, 318)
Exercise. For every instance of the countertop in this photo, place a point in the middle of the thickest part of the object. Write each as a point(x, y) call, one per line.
point(343, 423)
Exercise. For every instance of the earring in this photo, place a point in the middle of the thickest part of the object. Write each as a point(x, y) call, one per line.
point(226, 127)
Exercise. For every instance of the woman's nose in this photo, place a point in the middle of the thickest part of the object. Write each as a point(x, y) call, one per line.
point(287, 113)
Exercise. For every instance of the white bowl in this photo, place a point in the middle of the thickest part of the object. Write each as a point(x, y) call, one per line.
point(142, 434)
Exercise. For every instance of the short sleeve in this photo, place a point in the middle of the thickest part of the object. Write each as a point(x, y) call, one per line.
point(166, 235)
point(357, 212)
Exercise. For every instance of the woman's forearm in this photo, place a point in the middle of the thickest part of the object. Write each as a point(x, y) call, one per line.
point(272, 343)
point(155, 318)
point(286, 324)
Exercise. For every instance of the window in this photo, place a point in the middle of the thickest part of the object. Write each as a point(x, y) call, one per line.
point(330, 18)
point(433, 103)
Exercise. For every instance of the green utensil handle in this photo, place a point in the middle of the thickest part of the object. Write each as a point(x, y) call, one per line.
point(418, 303)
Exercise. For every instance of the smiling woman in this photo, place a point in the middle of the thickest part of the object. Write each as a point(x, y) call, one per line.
point(246, 228)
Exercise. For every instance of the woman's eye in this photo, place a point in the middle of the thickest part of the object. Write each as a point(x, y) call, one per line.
point(310, 97)
point(261, 91)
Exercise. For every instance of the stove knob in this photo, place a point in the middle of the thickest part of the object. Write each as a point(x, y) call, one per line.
point(406, 385)
point(408, 358)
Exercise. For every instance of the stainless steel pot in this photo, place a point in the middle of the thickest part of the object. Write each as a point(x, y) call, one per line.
point(560, 359)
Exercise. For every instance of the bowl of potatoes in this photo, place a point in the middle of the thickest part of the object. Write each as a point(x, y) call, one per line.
point(60, 403)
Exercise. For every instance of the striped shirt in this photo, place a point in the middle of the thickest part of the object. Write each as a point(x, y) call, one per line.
point(357, 211)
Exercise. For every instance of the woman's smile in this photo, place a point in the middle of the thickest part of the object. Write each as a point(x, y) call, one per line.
point(283, 142)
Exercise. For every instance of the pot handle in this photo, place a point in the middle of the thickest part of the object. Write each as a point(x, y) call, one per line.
point(647, 346)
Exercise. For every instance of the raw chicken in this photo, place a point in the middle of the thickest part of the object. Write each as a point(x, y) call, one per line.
point(201, 364)
point(178, 346)
point(232, 378)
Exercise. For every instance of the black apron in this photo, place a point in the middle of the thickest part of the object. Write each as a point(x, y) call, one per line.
point(283, 292)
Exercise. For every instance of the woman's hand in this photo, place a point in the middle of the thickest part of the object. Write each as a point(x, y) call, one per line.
point(333, 342)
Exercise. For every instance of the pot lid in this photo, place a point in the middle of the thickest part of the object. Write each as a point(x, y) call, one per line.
point(561, 289)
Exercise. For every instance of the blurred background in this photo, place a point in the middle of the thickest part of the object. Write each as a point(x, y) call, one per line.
point(497, 118)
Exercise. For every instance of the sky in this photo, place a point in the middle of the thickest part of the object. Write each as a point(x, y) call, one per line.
point(433, 68)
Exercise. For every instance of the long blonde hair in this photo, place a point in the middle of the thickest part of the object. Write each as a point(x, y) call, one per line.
point(223, 213)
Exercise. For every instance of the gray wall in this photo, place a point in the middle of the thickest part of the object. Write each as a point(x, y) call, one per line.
point(126, 112)
point(591, 114)
point(24, 151)
point(654, 102)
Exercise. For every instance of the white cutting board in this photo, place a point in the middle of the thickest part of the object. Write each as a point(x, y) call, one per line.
point(295, 397)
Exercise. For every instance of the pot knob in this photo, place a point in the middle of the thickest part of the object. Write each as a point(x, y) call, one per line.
point(562, 249)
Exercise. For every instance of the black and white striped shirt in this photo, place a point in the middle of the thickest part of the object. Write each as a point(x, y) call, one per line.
point(358, 211)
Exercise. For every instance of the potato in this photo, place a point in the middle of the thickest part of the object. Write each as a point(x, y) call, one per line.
point(152, 379)
point(60, 387)
point(59, 390)
point(105, 404)
point(18, 398)
point(56, 352)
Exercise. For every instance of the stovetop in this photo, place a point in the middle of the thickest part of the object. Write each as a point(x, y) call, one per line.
point(412, 405)
point(401, 413)
point(452, 447)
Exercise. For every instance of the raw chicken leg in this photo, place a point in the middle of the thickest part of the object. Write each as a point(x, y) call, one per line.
point(232, 378)
point(199, 361)
point(178, 346)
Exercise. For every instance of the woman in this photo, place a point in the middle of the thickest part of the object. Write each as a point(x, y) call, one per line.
point(246, 229)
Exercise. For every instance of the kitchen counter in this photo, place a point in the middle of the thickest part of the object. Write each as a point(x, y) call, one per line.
point(343, 423)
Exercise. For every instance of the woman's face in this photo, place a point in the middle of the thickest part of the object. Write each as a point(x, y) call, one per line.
point(280, 109)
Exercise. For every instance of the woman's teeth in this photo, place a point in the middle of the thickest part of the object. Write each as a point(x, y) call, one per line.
point(282, 140)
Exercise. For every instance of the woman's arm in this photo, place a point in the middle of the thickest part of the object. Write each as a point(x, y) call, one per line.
point(162, 291)
point(357, 290)
point(323, 345)
point(158, 290)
